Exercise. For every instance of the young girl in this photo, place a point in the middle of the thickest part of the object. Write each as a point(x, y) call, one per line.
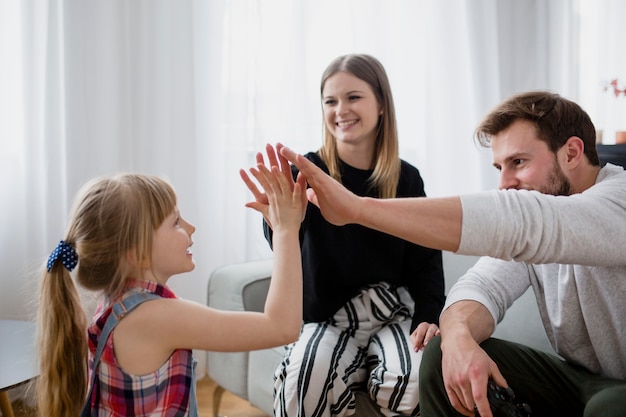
point(127, 238)
point(371, 300)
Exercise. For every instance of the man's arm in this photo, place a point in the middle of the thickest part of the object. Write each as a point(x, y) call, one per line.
point(430, 222)
point(467, 318)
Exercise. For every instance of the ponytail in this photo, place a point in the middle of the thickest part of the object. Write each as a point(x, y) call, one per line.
point(62, 384)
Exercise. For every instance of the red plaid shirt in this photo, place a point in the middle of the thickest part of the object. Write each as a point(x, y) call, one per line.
point(164, 392)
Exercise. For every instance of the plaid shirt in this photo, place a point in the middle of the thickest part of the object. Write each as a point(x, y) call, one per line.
point(164, 392)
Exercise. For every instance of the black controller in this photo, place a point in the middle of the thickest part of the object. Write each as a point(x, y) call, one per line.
point(501, 401)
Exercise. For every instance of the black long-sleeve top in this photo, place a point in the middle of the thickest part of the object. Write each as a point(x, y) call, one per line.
point(338, 261)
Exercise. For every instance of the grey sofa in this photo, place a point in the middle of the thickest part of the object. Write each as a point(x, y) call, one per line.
point(249, 375)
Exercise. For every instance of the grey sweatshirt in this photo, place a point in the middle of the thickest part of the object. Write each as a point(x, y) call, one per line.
point(571, 250)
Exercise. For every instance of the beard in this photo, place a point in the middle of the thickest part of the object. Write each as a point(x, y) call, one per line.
point(557, 183)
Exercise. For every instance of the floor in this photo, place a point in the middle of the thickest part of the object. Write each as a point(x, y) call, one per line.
point(231, 406)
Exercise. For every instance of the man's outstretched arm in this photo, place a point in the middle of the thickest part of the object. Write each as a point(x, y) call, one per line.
point(430, 222)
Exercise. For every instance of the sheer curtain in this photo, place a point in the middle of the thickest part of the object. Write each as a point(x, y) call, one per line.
point(602, 59)
point(192, 89)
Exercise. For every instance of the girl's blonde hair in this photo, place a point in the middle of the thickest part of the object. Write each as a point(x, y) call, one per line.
point(111, 228)
point(386, 161)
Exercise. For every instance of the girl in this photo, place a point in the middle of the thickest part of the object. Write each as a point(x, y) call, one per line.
point(127, 238)
point(371, 300)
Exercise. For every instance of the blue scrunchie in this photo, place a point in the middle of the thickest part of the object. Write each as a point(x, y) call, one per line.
point(66, 253)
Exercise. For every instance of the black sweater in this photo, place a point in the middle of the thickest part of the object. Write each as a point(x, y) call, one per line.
point(338, 261)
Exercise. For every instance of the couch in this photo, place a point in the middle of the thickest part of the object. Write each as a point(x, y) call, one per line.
point(249, 375)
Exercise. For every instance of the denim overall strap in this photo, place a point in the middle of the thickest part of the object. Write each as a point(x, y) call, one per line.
point(119, 310)
point(193, 399)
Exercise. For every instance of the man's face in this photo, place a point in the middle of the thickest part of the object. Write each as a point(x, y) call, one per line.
point(525, 162)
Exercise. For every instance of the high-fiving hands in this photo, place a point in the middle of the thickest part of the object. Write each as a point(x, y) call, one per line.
point(338, 205)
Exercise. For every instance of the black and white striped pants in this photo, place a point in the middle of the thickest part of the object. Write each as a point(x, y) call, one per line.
point(365, 345)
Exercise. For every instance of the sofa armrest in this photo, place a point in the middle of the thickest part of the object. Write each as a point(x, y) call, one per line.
point(240, 287)
point(236, 287)
point(262, 365)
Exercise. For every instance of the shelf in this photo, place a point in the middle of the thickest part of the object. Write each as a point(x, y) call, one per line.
point(615, 154)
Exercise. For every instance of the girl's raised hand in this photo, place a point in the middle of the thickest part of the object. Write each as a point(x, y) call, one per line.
point(283, 201)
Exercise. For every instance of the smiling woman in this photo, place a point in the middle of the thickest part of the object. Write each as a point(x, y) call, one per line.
point(348, 270)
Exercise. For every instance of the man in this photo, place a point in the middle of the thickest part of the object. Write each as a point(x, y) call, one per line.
point(558, 224)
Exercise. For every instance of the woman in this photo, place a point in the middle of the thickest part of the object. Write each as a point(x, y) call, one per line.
point(371, 301)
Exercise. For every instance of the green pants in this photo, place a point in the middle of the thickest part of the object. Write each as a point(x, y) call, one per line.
point(551, 386)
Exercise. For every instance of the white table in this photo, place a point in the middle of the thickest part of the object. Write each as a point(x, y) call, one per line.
point(18, 358)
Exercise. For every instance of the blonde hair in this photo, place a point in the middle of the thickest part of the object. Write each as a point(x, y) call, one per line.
point(113, 219)
point(386, 161)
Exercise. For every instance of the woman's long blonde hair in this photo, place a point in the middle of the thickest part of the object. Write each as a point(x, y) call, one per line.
point(113, 219)
point(386, 161)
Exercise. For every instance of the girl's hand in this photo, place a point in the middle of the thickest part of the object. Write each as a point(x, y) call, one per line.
point(283, 202)
point(422, 335)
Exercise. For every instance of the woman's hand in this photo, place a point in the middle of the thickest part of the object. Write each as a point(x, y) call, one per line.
point(422, 335)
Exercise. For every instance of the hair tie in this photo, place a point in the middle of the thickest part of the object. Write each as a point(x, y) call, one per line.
point(68, 256)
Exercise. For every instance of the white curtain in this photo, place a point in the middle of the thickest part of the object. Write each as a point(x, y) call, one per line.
point(192, 89)
point(602, 59)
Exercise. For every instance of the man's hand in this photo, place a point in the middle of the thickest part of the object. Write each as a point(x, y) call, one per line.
point(466, 367)
point(466, 371)
point(338, 205)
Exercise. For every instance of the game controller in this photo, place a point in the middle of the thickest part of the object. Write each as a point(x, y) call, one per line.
point(501, 402)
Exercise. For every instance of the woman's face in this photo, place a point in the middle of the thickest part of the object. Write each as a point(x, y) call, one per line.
point(351, 110)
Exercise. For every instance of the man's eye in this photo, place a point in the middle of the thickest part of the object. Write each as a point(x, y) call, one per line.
point(518, 161)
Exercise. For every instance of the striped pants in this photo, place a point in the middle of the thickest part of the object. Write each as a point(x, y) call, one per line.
point(364, 346)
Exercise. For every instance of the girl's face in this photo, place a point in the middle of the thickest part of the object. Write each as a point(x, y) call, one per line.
point(351, 110)
point(171, 248)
